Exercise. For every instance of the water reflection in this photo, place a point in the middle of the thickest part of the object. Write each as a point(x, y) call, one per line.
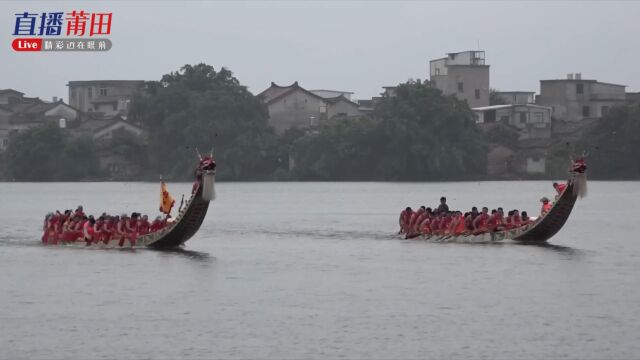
point(557, 248)
point(190, 254)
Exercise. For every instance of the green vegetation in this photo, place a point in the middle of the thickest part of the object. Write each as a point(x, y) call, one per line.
point(417, 135)
point(198, 107)
point(613, 144)
point(48, 154)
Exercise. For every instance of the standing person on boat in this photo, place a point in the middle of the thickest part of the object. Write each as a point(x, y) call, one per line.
point(546, 205)
point(443, 208)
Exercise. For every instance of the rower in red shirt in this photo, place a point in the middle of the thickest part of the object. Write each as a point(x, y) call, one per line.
point(546, 206)
point(480, 223)
point(132, 228)
point(445, 223)
point(435, 224)
point(144, 226)
point(404, 220)
point(493, 221)
point(425, 225)
point(516, 220)
point(459, 226)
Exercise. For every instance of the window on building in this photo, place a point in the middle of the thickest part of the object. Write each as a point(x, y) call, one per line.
point(523, 118)
point(115, 107)
point(477, 93)
point(5, 142)
point(90, 92)
point(504, 119)
point(73, 94)
point(460, 87)
point(579, 88)
point(103, 91)
point(604, 110)
point(586, 112)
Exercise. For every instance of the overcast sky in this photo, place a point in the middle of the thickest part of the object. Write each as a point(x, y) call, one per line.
point(350, 46)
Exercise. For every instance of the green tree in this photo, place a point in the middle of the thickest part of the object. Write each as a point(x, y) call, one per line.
point(47, 153)
point(199, 107)
point(613, 143)
point(419, 134)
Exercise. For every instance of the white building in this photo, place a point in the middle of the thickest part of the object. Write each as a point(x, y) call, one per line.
point(464, 74)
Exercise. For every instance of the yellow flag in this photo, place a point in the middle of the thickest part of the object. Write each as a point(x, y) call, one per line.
point(166, 201)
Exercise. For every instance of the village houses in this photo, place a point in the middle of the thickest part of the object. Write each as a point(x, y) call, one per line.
point(294, 106)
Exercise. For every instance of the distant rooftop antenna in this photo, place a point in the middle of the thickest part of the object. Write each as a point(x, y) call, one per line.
point(570, 76)
point(578, 76)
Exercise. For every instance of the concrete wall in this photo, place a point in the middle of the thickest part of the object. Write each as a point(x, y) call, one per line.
point(342, 108)
point(472, 78)
point(516, 97)
point(296, 109)
point(569, 105)
point(81, 96)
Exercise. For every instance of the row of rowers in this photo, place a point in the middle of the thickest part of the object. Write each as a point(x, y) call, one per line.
point(72, 226)
point(444, 222)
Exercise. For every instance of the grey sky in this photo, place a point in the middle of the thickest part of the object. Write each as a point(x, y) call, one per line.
point(353, 46)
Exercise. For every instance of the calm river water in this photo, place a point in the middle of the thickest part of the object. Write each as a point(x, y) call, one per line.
point(314, 271)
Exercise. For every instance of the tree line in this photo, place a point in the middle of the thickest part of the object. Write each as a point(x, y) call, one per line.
point(419, 134)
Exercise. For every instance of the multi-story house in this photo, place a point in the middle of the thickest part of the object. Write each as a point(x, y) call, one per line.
point(575, 99)
point(464, 74)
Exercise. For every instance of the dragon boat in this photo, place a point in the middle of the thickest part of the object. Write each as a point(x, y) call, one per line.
point(542, 228)
point(186, 223)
